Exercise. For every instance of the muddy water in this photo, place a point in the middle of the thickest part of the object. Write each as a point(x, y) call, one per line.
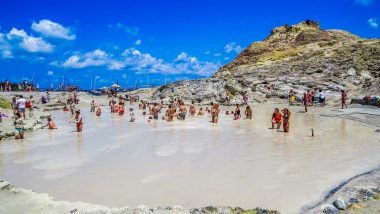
point(192, 163)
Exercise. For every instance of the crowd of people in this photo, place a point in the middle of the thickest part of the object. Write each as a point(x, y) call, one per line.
point(20, 106)
point(175, 109)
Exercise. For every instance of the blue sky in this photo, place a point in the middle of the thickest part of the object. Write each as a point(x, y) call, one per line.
point(140, 41)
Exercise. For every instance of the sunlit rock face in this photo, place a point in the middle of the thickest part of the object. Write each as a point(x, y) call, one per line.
point(294, 57)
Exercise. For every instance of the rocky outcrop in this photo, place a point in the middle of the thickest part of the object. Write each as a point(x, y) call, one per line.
point(294, 57)
point(360, 194)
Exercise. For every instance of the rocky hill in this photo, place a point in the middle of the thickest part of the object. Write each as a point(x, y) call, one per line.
point(294, 57)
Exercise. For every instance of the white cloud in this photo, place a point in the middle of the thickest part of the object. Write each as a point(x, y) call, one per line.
point(133, 59)
point(133, 31)
point(50, 73)
point(207, 52)
point(29, 43)
point(364, 2)
point(7, 54)
point(217, 54)
point(232, 46)
point(14, 33)
point(36, 44)
point(373, 23)
point(138, 42)
point(53, 29)
point(95, 58)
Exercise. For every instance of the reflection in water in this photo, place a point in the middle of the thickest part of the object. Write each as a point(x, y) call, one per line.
point(191, 163)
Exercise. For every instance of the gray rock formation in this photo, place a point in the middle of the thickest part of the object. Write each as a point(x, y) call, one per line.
point(294, 57)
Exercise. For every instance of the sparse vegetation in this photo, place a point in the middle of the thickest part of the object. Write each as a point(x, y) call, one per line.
point(5, 104)
point(279, 55)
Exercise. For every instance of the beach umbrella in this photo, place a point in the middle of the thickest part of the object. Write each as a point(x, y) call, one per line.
point(115, 86)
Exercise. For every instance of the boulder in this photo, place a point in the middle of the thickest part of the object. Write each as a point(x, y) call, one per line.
point(329, 209)
point(340, 204)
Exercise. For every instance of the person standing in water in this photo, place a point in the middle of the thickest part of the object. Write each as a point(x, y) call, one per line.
point(121, 106)
point(306, 99)
point(192, 108)
point(237, 114)
point(21, 103)
point(215, 113)
point(322, 98)
point(98, 111)
point(19, 126)
point(155, 111)
point(131, 100)
point(78, 120)
point(248, 112)
point(72, 107)
point(344, 97)
point(92, 106)
point(183, 110)
point(276, 118)
point(31, 105)
point(286, 123)
point(132, 114)
point(171, 112)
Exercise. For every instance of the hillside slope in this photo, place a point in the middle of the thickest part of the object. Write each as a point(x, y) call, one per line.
point(294, 57)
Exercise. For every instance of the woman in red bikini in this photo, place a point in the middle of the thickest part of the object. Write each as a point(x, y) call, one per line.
point(276, 118)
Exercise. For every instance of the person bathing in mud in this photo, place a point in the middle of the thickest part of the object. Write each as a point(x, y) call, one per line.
point(121, 106)
point(215, 113)
point(343, 98)
point(65, 109)
point(132, 115)
point(182, 111)
point(51, 124)
point(237, 114)
point(78, 120)
point(306, 99)
point(286, 123)
point(276, 118)
point(171, 113)
point(248, 112)
point(201, 112)
point(192, 108)
point(72, 107)
point(227, 113)
point(92, 106)
point(19, 126)
point(155, 111)
point(98, 111)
